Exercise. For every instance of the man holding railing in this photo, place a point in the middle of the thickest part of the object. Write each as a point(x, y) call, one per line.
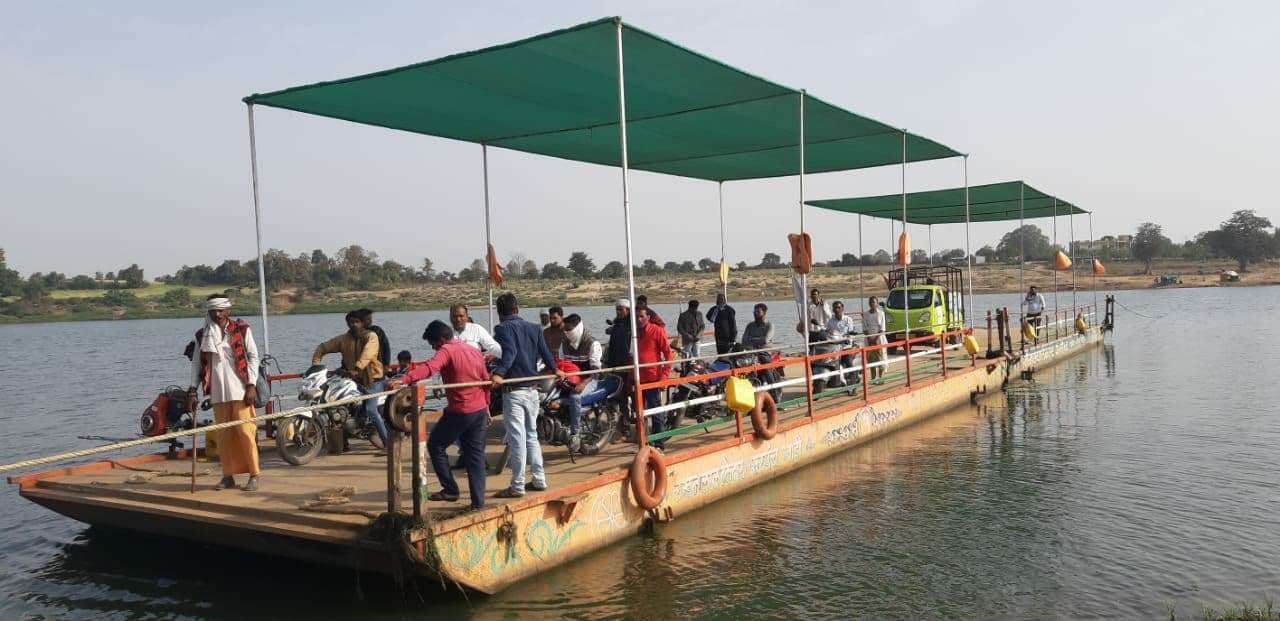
point(523, 347)
point(465, 417)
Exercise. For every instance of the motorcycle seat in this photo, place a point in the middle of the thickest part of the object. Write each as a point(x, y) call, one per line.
point(605, 387)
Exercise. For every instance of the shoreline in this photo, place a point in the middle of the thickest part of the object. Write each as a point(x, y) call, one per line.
point(379, 302)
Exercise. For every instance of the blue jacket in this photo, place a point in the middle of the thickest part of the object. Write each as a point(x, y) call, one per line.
point(522, 346)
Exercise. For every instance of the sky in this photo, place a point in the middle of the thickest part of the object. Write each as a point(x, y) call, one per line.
point(123, 138)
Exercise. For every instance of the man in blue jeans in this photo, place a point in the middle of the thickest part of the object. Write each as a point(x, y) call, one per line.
point(523, 346)
point(466, 416)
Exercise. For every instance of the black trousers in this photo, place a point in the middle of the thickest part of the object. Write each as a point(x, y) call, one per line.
point(468, 431)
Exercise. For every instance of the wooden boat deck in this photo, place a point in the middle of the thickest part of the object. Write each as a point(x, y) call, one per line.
point(309, 501)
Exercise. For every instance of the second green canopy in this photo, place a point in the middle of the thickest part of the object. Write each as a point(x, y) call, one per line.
point(993, 202)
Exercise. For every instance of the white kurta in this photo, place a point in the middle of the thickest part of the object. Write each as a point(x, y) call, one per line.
point(873, 326)
point(224, 384)
point(476, 336)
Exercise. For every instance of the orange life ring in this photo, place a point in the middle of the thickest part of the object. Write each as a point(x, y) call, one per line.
point(765, 410)
point(648, 466)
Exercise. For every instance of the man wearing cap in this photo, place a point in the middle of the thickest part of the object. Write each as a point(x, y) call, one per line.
point(225, 367)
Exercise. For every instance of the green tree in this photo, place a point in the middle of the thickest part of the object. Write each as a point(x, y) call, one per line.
point(613, 269)
point(132, 277)
point(649, 267)
point(581, 264)
point(1243, 237)
point(530, 269)
point(771, 259)
point(176, 298)
point(742, 265)
point(919, 257)
point(1149, 243)
point(1029, 236)
point(82, 283)
point(881, 257)
point(670, 267)
point(707, 265)
point(428, 269)
point(555, 271)
point(848, 259)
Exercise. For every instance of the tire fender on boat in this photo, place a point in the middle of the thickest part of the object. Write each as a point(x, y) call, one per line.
point(648, 466)
point(764, 417)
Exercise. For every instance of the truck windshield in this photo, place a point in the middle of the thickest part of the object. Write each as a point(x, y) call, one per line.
point(916, 298)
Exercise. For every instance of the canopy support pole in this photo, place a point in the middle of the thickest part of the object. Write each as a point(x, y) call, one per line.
point(724, 286)
point(1093, 255)
point(642, 428)
point(862, 293)
point(804, 278)
point(1022, 260)
point(929, 228)
point(488, 230)
point(968, 250)
point(1071, 232)
point(257, 222)
point(903, 261)
point(1055, 261)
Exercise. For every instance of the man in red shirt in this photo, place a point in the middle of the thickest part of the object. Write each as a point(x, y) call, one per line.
point(465, 417)
point(651, 342)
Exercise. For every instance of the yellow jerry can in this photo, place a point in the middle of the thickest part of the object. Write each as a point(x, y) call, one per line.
point(740, 395)
point(971, 344)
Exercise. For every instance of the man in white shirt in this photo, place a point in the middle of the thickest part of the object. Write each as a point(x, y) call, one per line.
point(819, 313)
point(873, 327)
point(1033, 305)
point(842, 326)
point(472, 333)
point(225, 367)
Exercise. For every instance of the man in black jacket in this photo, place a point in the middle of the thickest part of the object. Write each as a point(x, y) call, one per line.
point(722, 318)
point(384, 343)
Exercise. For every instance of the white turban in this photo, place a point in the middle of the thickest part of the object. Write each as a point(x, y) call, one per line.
point(623, 302)
point(218, 303)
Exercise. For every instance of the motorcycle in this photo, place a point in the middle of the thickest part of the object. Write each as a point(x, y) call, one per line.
point(602, 406)
point(302, 437)
point(819, 345)
point(697, 389)
point(762, 377)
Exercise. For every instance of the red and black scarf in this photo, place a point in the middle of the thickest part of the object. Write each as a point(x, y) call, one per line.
point(236, 330)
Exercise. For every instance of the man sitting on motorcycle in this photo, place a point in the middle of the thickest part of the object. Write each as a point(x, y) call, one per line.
point(584, 351)
point(842, 327)
point(359, 349)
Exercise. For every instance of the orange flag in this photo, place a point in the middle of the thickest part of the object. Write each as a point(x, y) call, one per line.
point(1098, 268)
point(495, 270)
point(801, 252)
point(904, 249)
point(1061, 261)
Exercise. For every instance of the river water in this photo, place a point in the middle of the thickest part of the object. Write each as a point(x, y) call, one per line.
point(1132, 478)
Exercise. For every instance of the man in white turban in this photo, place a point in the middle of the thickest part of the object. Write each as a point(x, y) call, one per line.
point(225, 367)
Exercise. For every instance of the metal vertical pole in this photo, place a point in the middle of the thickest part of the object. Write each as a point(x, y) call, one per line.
point(804, 278)
point(1022, 261)
point(642, 431)
point(1071, 232)
point(1054, 265)
point(968, 250)
point(1093, 257)
point(257, 221)
point(929, 249)
point(724, 286)
point(862, 293)
point(488, 231)
point(902, 263)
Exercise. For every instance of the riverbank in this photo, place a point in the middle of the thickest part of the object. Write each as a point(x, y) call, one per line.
point(166, 301)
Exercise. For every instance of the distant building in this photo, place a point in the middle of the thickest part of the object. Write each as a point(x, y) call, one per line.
point(1113, 246)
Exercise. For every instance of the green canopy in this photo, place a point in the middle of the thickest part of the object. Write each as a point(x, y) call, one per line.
point(557, 94)
point(993, 202)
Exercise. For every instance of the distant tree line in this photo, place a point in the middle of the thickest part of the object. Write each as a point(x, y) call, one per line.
point(1245, 237)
